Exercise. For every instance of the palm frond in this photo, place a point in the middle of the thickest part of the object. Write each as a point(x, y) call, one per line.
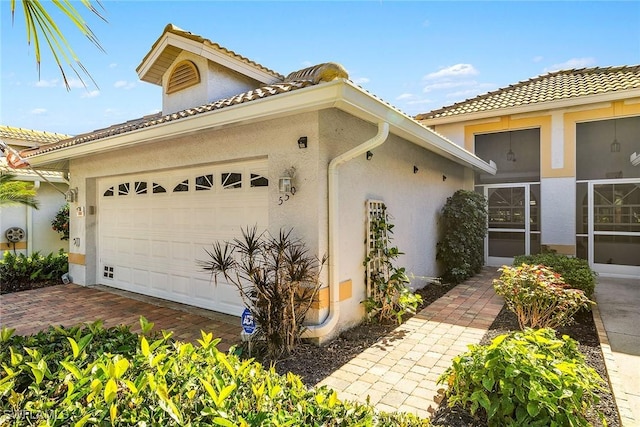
point(39, 24)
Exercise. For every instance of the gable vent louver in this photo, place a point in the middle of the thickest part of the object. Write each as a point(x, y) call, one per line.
point(184, 75)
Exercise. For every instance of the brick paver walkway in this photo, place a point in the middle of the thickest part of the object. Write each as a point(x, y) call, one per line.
point(400, 371)
point(32, 311)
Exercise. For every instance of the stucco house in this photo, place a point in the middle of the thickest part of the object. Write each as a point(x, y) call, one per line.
point(50, 186)
point(567, 147)
point(154, 192)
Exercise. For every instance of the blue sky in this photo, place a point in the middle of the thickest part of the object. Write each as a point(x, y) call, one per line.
point(418, 56)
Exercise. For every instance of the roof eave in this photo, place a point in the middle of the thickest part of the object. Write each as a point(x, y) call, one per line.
point(542, 106)
point(197, 47)
point(339, 93)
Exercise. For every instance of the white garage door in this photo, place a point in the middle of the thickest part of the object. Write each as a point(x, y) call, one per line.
point(153, 227)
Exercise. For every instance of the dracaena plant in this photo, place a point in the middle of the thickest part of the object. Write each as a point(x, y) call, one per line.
point(277, 278)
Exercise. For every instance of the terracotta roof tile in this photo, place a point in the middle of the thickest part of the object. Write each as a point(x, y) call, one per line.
point(156, 119)
point(555, 86)
point(170, 28)
point(34, 136)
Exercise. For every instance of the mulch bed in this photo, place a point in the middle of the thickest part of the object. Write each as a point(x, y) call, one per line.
point(329, 358)
point(349, 344)
point(7, 288)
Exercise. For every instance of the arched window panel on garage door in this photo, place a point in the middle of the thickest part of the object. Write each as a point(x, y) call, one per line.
point(231, 180)
point(183, 186)
point(258, 180)
point(158, 189)
point(124, 188)
point(204, 182)
point(109, 192)
point(140, 187)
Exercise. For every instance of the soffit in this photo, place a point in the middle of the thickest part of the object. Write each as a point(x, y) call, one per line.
point(174, 40)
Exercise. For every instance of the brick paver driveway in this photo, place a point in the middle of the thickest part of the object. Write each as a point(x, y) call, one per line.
point(32, 311)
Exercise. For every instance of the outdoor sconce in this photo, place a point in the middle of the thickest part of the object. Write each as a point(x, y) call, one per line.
point(285, 183)
point(71, 195)
point(302, 142)
point(415, 169)
point(444, 178)
point(369, 155)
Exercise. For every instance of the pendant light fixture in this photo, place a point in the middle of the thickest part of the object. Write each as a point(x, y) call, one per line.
point(615, 145)
point(511, 156)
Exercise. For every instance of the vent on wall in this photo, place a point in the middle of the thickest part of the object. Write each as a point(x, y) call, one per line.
point(184, 75)
point(108, 272)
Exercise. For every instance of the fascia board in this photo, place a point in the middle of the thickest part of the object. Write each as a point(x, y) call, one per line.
point(146, 65)
point(208, 52)
point(542, 106)
point(339, 94)
point(367, 107)
point(312, 98)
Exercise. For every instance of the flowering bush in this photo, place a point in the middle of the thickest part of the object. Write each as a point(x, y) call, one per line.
point(538, 296)
point(61, 222)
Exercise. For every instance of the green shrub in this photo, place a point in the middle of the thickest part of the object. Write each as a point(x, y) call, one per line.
point(18, 271)
point(60, 222)
point(528, 378)
point(92, 376)
point(575, 271)
point(538, 296)
point(389, 298)
point(464, 226)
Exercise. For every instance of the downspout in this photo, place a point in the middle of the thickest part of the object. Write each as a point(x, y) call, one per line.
point(36, 186)
point(324, 328)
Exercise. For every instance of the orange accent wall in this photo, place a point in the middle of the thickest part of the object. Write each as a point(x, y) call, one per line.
point(76, 258)
point(507, 123)
point(616, 109)
point(9, 245)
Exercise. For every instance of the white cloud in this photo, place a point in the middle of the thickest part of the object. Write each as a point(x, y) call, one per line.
point(572, 63)
point(457, 70)
point(47, 83)
point(361, 80)
point(75, 83)
point(448, 85)
point(306, 64)
point(91, 94)
point(405, 96)
point(38, 111)
point(123, 84)
point(537, 58)
point(113, 65)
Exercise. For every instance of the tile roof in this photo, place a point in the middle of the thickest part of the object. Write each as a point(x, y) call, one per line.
point(34, 136)
point(297, 80)
point(170, 28)
point(555, 86)
point(156, 119)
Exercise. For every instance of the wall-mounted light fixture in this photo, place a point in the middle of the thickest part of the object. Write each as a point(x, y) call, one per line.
point(285, 183)
point(369, 155)
point(415, 169)
point(302, 142)
point(71, 195)
point(444, 178)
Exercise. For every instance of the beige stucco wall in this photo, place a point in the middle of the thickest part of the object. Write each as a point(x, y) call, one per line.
point(36, 222)
point(275, 140)
point(216, 82)
point(413, 201)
